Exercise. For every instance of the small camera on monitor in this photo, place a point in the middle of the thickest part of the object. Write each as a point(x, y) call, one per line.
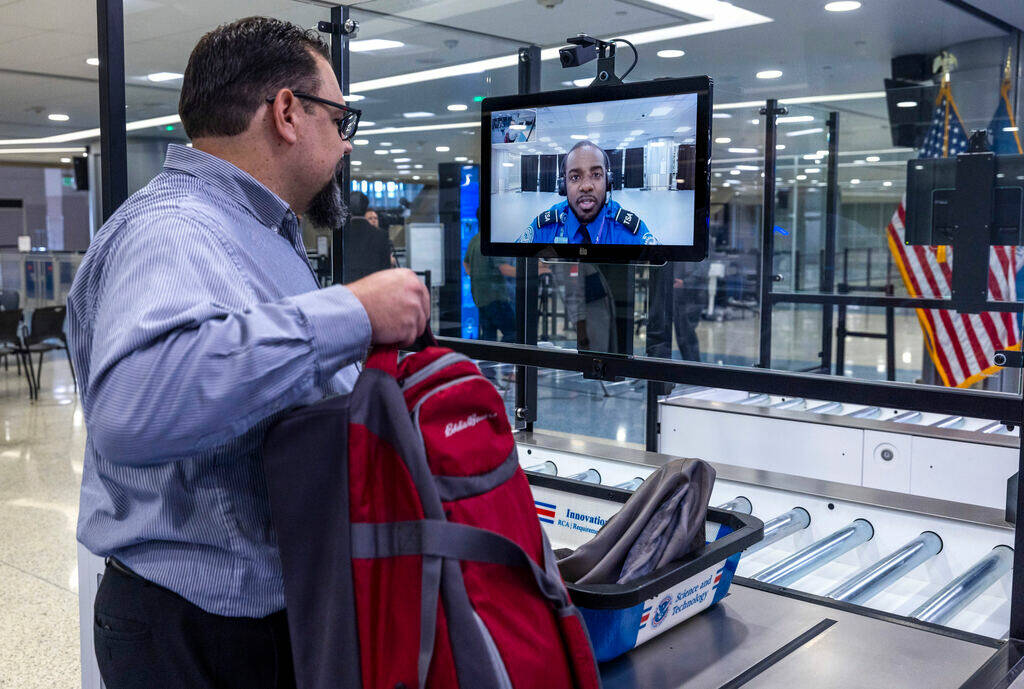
point(577, 55)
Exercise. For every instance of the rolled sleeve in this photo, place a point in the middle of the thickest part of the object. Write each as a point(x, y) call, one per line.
point(340, 327)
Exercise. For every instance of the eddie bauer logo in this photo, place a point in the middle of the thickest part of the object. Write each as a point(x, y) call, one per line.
point(454, 427)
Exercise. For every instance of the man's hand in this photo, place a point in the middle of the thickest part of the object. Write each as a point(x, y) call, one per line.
point(397, 304)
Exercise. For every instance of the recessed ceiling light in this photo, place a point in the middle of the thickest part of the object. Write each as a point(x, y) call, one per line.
point(854, 181)
point(58, 117)
point(723, 140)
point(907, 104)
point(354, 98)
point(661, 111)
point(1010, 129)
point(381, 151)
point(360, 142)
point(656, 144)
point(742, 150)
point(842, 6)
point(578, 137)
point(671, 53)
point(396, 150)
point(442, 149)
point(780, 147)
point(367, 123)
point(720, 115)
point(860, 162)
point(872, 159)
point(94, 61)
point(460, 159)
point(508, 165)
point(357, 163)
point(795, 118)
point(415, 176)
point(636, 132)
point(748, 168)
point(812, 170)
point(734, 172)
point(755, 121)
point(417, 114)
point(65, 160)
point(801, 178)
point(680, 130)
point(805, 132)
point(518, 127)
point(401, 160)
point(386, 143)
point(769, 74)
point(418, 166)
point(164, 76)
point(887, 184)
point(458, 107)
point(369, 44)
point(595, 116)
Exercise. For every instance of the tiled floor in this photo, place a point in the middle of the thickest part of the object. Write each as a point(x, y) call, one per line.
point(41, 449)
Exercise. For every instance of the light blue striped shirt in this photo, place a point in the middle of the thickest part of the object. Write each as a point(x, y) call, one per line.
point(194, 321)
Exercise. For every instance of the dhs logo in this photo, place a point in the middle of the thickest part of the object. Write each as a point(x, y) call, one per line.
point(664, 606)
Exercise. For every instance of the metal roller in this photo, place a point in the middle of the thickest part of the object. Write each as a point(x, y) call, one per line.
point(756, 400)
point(872, 580)
point(949, 422)
point(632, 484)
point(865, 413)
point(826, 408)
point(995, 427)
point(781, 526)
point(907, 417)
point(798, 565)
point(959, 593)
point(795, 403)
point(548, 467)
point(737, 504)
point(588, 476)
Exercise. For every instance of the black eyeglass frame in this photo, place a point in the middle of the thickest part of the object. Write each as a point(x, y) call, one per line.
point(349, 112)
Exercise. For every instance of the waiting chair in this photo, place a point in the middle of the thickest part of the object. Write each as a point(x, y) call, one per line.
point(12, 344)
point(46, 334)
point(10, 299)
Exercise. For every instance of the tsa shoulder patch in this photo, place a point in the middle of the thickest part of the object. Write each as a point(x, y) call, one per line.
point(629, 219)
point(546, 218)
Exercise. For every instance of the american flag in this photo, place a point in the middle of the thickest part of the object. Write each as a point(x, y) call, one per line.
point(961, 345)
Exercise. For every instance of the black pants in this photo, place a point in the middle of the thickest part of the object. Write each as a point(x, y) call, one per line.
point(149, 638)
point(498, 315)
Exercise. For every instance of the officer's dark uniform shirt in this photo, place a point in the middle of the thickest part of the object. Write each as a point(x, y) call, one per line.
point(613, 225)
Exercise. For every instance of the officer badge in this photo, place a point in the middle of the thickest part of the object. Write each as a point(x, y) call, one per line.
point(526, 237)
point(649, 238)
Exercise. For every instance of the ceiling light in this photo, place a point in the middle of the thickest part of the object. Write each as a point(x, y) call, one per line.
point(164, 76)
point(854, 181)
point(360, 142)
point(357, 163)
point(386, 143)
point(582, 82)
point(723, 140)
point(795, 118)
point(769, 74)
point(671, 53)
point(12, 151)
point(718, 174)
point(402, 167)
point(748, 168)
point(636, 132)
point(420, 128)
point(460, 159)
point(842, 6)
point(656, 144)
point(517, 127)
point(396, 150)
point(415, 176)
point(401, 160)
point(381, 151)
point(442, 149)
point(742, 150)
point(369, 44)
point(887, 184)
point(801, 178)
point(872, 159)
point(812, 170)
point(812, 156)
point(579, 137)
point(65, 160)
point(720, 115)
point(734, 172)
point(418, 166)
point(367, 123)
point(907, 104)
point(353, 98)
point(94, 61)
point(680, 130)
point(458, 107)
point(508, 165)
point(860, 162)
point(661, 111)
point(58, 117)
point(780, 147)
point(595, 116)
point(1010, 129)
point(755, 121)
point(804, 132)
point(417, 114)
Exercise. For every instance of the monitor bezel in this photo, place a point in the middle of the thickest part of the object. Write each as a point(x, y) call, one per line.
point(702, 86)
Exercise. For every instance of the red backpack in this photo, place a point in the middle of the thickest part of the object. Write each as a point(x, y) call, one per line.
point(419, 562)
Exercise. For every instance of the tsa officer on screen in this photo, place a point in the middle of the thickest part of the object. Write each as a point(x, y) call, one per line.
point(588, 215)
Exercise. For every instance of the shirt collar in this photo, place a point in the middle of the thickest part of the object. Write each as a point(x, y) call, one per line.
point(594, 227)
point(268, 208)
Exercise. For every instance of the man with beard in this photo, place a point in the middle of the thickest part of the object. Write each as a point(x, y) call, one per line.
point(194, 322)
point(588, 215)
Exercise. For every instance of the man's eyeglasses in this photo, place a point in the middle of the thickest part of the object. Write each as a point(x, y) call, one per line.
point(349, 121)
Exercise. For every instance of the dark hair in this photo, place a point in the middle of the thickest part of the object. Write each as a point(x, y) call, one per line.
point(584, 144)
point(236, 67)
point(358, 203)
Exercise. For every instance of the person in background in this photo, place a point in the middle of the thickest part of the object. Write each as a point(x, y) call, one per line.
point(689, 297)
point(488, 282)
point(371, 217)
point(366, 247)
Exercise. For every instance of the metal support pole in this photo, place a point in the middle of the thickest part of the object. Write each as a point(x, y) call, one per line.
point(588, 476)
point(959, 593)
point(526, 277)
point(841, 341)
point(797, 519)
point(1017, 587)
point(548, 467)
point(340, 65)
point(770, 112)
point(737, 504)
point(872, 580)
point(828, 265)
point(113, 137)
point(652, 425)
point(890, 343)
point(631, 484)
point(800, 564)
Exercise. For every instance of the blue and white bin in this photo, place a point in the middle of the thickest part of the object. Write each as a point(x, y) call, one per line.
point(620, 617)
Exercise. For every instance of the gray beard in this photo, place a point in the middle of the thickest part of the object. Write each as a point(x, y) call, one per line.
point(327, 209)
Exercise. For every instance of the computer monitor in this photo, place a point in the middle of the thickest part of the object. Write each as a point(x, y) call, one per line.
point(610, 174)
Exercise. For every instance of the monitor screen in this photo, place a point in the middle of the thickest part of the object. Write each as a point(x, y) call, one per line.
point(609, 174)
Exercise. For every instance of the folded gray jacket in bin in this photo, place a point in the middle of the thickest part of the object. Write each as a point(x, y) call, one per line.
point(662, 522)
